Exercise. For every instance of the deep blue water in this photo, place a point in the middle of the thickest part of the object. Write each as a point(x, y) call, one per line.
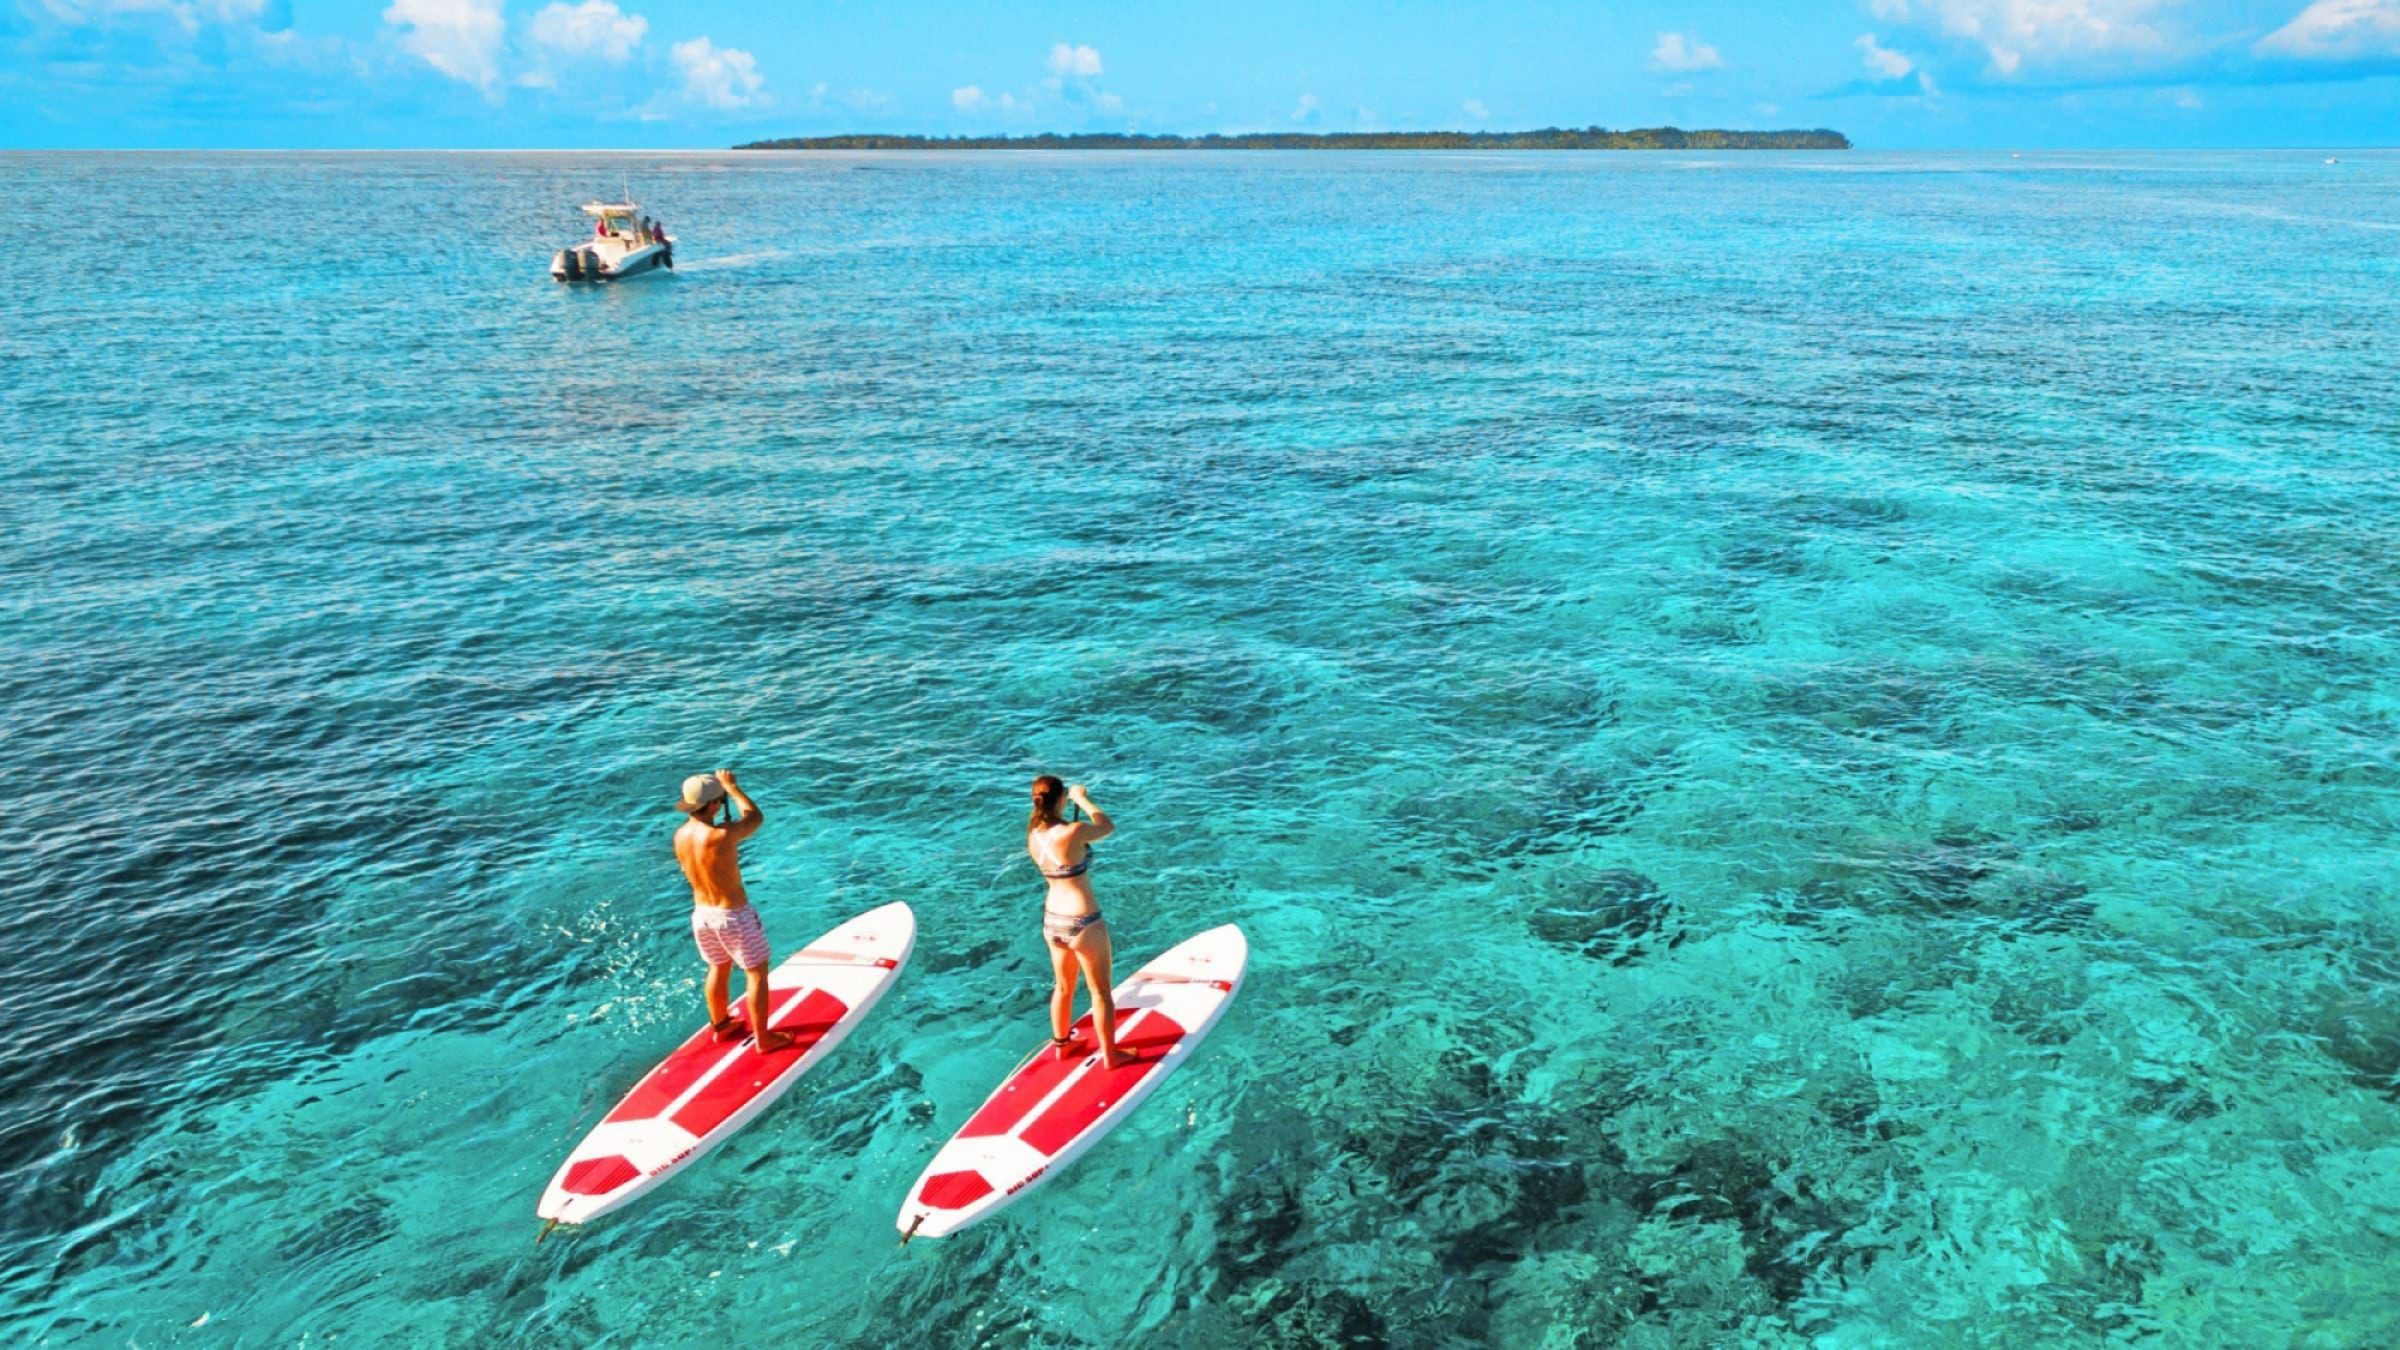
point(1808, 745)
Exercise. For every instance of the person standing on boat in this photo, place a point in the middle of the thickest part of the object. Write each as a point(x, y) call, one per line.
point(1072, 929)
point(724, 923)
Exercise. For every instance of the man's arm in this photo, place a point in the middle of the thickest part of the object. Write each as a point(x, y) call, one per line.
point(751, 818)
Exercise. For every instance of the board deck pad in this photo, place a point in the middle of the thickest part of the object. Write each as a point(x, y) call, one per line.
point(1049, 1110)
point(707, 1088)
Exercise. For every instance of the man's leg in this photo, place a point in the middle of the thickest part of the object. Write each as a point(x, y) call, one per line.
point(717, 990)
point(746, 936)
point(754, 993)
point(720, 969)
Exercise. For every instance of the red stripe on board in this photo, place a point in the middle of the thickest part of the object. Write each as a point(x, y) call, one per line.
point(954, 1190)
point(752, 1071)
point(1101, 1089)
point(673, 1077)
point(1024, 1091)
point(599, 1176)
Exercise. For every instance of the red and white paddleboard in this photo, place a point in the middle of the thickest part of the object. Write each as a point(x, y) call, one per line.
point(709, 1088)
point(1050, 1110)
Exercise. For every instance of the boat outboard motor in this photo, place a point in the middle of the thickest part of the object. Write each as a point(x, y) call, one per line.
point(571, 265)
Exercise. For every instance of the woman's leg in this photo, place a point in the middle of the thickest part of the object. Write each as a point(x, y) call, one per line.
point(1062, 995)
point(1093, 953)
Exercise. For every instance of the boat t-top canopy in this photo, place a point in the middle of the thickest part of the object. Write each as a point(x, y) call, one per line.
point(604, 210)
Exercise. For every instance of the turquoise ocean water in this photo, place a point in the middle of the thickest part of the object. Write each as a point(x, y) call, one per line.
point(1808, 745)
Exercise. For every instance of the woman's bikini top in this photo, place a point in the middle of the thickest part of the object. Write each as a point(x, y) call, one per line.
point(1076, 870)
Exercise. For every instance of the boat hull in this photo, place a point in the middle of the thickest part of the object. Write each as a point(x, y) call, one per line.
point(588, 265)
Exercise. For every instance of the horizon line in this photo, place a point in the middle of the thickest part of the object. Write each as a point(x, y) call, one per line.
point(731, 149)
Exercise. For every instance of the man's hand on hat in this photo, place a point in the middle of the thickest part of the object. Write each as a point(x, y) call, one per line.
point(725, 776)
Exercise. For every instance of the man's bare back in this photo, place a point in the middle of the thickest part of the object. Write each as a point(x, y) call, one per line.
point(712, 861)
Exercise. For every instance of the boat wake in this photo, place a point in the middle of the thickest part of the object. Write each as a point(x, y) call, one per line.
point(734, 260)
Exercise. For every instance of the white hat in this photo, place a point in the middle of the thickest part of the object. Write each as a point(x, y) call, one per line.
point(700, 792)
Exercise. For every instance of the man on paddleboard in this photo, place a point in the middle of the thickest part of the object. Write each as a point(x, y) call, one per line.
point(724, 924)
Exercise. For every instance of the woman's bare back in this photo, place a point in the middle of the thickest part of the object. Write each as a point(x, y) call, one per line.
point(1059, 848)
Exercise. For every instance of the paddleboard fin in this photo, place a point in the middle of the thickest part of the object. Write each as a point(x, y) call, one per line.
point(912, 1230)
point(545, 1232)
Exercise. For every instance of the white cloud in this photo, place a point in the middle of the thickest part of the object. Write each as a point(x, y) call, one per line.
point(2014, 32)
point(1306, 109)
point(1077, 61)
point(721, 77)
point(1474, 108)
point(1770, 110)
point(2186, 98)
point(2338, 30)
point(1886, 63)
point(1071, 87)
point(595, 28)
point(971, 99)
point(1676, 52)
point(460, 38)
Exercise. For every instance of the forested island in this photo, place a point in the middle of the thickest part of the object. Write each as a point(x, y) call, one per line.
point(1548, 138)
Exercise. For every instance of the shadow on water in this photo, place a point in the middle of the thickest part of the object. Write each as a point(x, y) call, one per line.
point(1533, 1214)
point(1607, 914)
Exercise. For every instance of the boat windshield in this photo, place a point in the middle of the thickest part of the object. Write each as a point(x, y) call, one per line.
point(616, 217)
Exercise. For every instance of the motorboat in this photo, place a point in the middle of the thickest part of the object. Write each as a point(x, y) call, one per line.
point(624, 243)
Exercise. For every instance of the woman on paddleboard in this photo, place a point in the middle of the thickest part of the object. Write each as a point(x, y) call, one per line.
point(1072, 929)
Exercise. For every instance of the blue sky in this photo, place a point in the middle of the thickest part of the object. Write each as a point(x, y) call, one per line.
point(575, 73)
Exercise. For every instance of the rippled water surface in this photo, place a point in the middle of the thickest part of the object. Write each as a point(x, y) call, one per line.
point(1807, 745)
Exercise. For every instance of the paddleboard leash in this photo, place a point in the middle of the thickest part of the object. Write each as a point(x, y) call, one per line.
point(545, 1232)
